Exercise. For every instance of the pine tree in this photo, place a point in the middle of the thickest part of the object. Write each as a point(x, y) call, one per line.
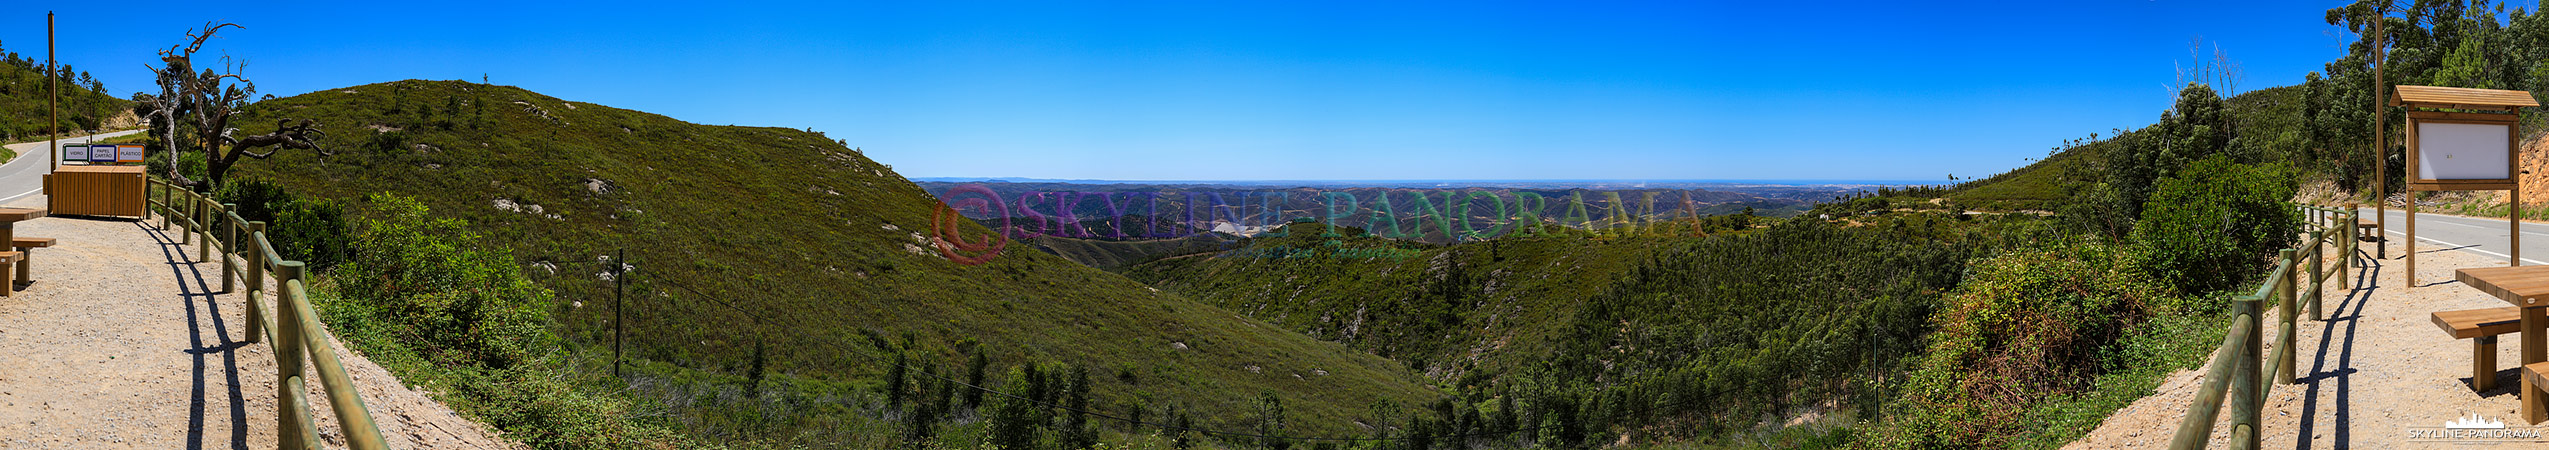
point(1076, 430)
point(1270, 421)
point(1013, 421)
point(1180, 433)
point(1420, 435)
point(973, 376)
point(894, 381)
point(752, 375)
point(917, 425)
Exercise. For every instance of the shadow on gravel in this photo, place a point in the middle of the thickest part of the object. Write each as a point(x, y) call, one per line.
point(2341, 323)
point(209, 335)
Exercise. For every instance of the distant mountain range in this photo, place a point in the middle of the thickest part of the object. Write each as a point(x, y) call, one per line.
point(1441, 212)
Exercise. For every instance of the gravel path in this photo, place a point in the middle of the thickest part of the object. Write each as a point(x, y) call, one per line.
point(124, 341)
point(2378, 367)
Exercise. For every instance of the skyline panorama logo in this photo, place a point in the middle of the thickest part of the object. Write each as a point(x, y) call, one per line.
point(2475, 429)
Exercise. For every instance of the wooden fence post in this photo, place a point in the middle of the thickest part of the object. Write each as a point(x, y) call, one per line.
point(2318, 250)
point(229, 245)
point(203, 224)
point(166, 209)
point(288, 357)
point(2246, 398)
point(256, 282)
point(186, 236)
point(2345, 261)
point(2284, 294)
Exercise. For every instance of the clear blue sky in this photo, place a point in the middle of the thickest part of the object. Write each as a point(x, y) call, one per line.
point(1289, 90)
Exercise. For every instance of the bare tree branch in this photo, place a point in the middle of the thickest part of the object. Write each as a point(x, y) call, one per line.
point(206, 100)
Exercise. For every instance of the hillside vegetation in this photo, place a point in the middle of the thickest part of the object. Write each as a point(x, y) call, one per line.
point(776, 272)
point(84, 103)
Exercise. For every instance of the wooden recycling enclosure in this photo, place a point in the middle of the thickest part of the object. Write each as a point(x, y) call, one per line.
point(96, 191)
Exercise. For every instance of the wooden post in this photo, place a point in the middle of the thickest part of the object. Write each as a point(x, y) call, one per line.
point(2245, 396)
point(256, 284)
point(2482, 362)
point(203, 224)
point(2533, 351)
point(288, 357)
point(2513, 217)
point(2345, 261)
point(2318, 249)
point(165, 209)
point(186, 235)
point(2381, 151)
point(2410, 274)
point(52, 97)
point(229, 244)
point(2284, 293)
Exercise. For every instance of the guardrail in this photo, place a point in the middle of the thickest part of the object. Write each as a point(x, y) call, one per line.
point(300, 341)
point(2236, 366)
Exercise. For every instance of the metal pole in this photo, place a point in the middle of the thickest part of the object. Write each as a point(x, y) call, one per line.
point(619, 289)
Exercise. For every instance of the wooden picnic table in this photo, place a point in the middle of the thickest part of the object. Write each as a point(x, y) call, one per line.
point(2526, 287)
point(9, 218)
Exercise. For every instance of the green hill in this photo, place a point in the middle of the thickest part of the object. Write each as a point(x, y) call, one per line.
point(84, 105)
point(2269, 122)
point(730, 227)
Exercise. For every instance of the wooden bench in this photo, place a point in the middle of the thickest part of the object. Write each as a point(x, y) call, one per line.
point(8, 258)
point(2369, 230)
point(2481, 326)
point(26, 250)
point(2535, 376)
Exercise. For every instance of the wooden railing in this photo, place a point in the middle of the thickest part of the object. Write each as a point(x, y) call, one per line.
point(300, 341)
point(2236, 366)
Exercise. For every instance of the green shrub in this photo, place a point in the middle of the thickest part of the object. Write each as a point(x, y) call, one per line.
point(2216, 224)
point(309, 231)
point(2022, 328)
point(257, 199)
point(429, 282)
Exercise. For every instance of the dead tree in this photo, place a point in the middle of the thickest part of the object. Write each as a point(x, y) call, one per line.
point(202, 102)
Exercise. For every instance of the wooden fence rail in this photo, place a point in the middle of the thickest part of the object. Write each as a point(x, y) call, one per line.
point(300, 341)
point(2236, 366)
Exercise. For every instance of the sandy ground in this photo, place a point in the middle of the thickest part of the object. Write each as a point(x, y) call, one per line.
point(124, 341)
point(2377, 367)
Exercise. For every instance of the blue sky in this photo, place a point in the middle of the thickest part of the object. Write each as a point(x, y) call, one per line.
point(1191, 90)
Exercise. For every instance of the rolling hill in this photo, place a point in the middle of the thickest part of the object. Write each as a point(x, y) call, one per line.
point(754, 240)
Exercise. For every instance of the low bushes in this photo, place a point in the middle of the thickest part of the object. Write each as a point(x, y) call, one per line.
point(311, 231)
point(428, 281)
point(2217, 224)
point(2024, 327)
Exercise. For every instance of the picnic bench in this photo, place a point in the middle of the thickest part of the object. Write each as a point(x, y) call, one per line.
point(25, 250)
point(9, 218)
point(2526, 288)
point(2370, 231)
point(2480, 326)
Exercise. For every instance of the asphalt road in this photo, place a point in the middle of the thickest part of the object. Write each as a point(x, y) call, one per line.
point(2483, 236)
point(24, 176)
